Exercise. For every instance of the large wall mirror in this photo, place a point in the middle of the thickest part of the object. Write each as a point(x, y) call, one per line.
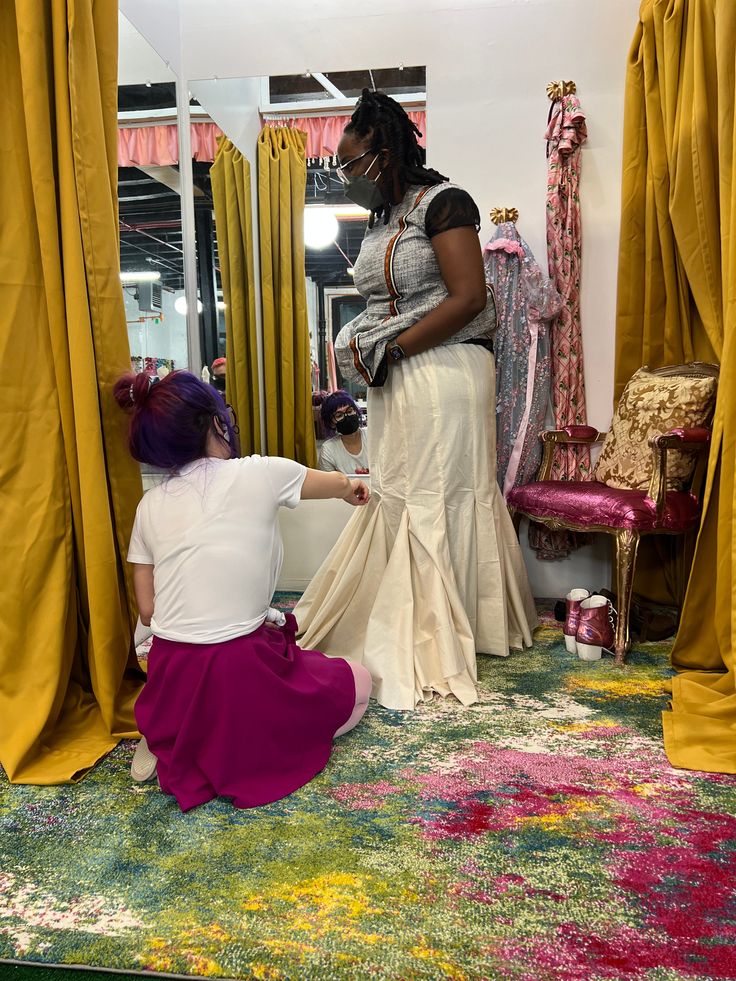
point(319, 104)
point(149, 206)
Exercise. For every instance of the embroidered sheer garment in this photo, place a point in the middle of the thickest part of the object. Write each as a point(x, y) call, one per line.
point(526, 302)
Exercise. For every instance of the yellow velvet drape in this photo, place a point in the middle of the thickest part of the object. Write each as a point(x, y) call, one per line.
point(282, 177)
point(680, 304)
point(231, 192)
point(659, 319)
point(666, 284)
point(68, 489)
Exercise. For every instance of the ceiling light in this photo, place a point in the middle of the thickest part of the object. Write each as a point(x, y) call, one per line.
point(351, 271)
point(320, 228)
point(221, 305)
point(145, 276)
point(180, 305)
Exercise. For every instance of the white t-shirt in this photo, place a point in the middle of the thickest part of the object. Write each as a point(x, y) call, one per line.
point(212, 536)
point(334, 456)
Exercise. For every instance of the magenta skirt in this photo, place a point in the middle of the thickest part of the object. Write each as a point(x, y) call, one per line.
point(251, 718)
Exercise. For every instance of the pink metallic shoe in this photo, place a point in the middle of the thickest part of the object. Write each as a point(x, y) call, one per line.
point(595, 629)
point(572, 618)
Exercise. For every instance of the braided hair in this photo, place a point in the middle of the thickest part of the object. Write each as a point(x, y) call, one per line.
point(383, 119)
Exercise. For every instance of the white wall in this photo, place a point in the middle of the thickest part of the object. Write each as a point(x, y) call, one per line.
point(159, 23)
point(488, 65)
point(167, 339)
point(138, 63)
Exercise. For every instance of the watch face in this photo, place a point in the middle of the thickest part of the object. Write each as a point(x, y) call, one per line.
point(396, 352)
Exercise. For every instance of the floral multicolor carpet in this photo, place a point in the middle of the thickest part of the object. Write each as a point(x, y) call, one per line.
point(539, 834)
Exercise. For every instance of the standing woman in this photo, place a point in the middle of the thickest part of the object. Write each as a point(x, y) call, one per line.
point(431, 570)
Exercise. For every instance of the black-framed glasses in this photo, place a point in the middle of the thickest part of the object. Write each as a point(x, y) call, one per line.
point(342, 168)
point(344, 413)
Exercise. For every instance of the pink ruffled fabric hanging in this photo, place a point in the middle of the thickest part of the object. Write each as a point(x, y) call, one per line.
point(158, 146)
point(324, 132)
point(566, 133)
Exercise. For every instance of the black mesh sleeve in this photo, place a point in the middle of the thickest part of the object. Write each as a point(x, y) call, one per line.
point(453, 208)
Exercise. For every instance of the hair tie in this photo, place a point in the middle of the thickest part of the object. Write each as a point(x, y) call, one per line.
point(152, 379)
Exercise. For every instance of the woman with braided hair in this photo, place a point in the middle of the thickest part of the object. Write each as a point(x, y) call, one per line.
point(431, 570)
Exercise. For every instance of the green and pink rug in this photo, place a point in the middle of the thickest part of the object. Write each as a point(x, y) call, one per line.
point(539, 834)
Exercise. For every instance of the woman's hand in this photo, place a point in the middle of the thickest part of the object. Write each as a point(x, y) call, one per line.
point(359, 494)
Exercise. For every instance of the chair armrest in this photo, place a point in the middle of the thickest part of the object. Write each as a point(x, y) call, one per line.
point(696, 439)
point(697, 434)
point(570, 434)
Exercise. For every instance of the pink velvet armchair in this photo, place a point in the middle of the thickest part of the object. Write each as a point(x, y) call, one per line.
point(625, 515)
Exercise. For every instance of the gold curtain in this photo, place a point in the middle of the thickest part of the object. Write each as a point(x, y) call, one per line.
point(677, 303)
point(282, 177)
point(659, 320)
point(231, 192)
point(69, 488)
point(666, 283)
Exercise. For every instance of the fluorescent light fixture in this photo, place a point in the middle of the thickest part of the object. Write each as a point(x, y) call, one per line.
point(348, 211)
point(338, 210)
point(144, 276)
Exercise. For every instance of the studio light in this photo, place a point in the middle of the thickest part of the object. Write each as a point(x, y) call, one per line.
point(180, 305)
point(320, 228)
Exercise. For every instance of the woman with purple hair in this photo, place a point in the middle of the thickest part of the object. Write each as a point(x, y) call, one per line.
point(232, 706)
point(346, 448)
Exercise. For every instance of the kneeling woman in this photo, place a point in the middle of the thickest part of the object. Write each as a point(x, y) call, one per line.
point(232, 707)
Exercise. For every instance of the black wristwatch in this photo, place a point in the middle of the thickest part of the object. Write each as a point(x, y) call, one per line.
point(395, 351)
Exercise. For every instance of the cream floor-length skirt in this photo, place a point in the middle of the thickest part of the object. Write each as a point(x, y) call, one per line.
point(430, 571)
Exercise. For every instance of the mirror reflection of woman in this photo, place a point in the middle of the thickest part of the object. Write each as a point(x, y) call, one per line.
point(431, 570)
point(346, 448)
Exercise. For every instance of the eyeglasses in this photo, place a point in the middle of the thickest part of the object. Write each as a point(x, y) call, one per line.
point(344, 413)
point(342, 169)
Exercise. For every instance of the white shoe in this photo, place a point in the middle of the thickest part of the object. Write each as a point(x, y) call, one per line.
point(143, 767)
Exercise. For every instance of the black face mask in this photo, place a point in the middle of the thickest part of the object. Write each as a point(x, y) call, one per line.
point(348, 425)
point(219, 382)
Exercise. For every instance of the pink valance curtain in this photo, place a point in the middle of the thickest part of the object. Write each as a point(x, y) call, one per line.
point(324, 132)
point(158, 146)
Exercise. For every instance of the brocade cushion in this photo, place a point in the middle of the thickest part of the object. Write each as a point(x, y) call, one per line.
point(652, 404)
